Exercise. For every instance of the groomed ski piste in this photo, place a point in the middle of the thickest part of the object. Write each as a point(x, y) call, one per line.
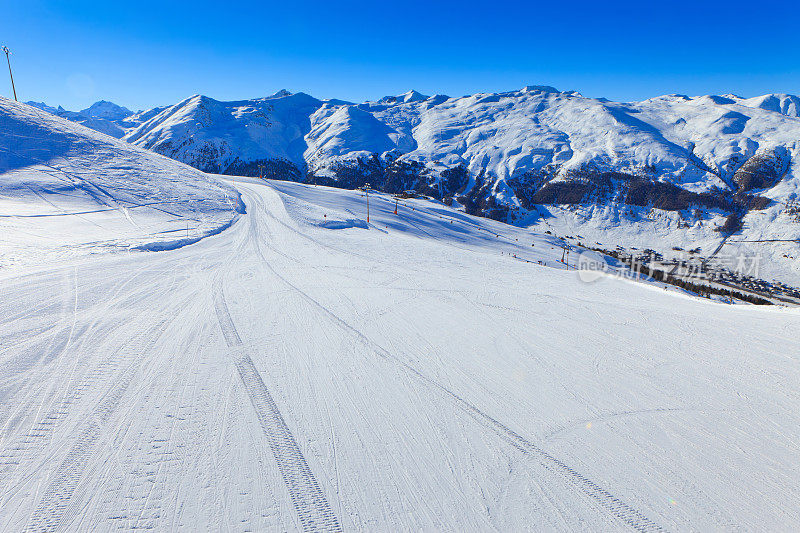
point(284, 365)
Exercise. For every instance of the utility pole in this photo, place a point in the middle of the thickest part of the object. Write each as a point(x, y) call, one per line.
point(261, 171)
point(8, 60)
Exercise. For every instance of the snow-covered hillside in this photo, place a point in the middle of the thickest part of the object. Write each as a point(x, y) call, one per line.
point(668, 171)
point(306, 371)
point(66, 190)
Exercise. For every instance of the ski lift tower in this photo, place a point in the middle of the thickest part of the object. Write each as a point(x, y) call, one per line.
point(8, 60)
point(365, 188)
point(565, 255)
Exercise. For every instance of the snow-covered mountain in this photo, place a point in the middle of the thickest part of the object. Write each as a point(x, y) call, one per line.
point(308, 369)
point(521, 142)
point(107, 110)
point(232, 137)
point(103, 116)
point(664, 172)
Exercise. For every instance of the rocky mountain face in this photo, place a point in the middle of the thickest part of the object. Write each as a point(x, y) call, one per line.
point(714, 165)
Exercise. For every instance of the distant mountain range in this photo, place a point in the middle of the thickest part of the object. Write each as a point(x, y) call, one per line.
point(662, 172)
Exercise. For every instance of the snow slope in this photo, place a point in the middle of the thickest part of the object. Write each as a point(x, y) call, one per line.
point(66, 190)
point(304, 370)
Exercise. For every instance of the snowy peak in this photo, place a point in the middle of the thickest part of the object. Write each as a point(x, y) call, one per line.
point(345, 131)
point(405, 98)
point(103, 116)
point(107, 110)
point(280, 94)
point(539, 89)
point(543, 89)
point(412, 96)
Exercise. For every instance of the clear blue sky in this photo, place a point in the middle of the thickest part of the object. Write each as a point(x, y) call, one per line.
point(143, 53)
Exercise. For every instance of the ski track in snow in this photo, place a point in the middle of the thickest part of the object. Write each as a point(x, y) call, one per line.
point(124, 407)
point(57, 499)
point(605, 499)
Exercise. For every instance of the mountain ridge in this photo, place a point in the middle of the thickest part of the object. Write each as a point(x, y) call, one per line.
point(721, 164)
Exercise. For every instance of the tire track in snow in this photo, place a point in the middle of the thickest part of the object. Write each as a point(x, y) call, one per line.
point(309, 501)
point(622, 511)
point(605, 499)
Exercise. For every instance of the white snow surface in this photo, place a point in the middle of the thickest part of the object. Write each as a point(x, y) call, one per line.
point(66, 190)
point(305, 370)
